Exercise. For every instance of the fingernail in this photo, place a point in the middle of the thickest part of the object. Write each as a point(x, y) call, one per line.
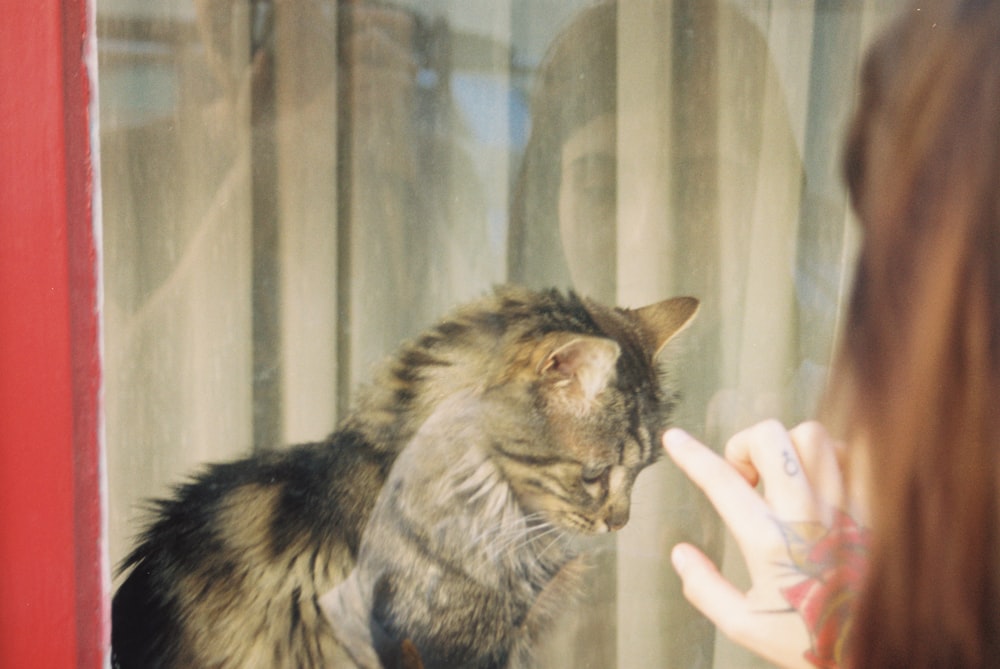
point(679, 557)
point(675, 438)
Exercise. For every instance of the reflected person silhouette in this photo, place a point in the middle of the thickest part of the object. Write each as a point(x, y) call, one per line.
point(564, 202)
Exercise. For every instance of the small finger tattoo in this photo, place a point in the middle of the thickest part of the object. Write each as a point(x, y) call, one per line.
point(790, 465)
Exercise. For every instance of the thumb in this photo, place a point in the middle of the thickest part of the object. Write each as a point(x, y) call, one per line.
point(708, 590)
point(779, 639)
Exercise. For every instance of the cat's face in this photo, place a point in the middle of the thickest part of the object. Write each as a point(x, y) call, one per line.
point(587, 487)
point(602, 411)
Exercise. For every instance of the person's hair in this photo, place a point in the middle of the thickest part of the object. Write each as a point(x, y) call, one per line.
point(920, 360)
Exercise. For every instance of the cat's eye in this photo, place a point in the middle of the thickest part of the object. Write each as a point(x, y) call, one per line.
point(593, 474)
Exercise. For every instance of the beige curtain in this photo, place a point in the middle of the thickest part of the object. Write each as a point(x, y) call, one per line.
point(731, 117)
point(291, 187)
point(177, 249)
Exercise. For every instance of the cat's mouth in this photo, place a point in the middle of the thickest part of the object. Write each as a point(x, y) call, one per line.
point(590, 539)
point(576, 520)
point(587, 526)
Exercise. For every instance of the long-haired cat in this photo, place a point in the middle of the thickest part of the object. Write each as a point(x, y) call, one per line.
point(483, 447)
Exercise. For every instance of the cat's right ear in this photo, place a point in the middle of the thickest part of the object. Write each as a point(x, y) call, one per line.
point(579, 369)
point(659, 323)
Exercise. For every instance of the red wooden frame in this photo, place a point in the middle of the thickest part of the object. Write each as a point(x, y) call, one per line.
point(53, 586)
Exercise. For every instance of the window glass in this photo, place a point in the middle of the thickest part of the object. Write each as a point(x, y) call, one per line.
point(290, 188)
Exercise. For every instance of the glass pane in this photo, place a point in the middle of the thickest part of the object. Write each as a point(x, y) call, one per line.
point(175, 143)
point(291, 188)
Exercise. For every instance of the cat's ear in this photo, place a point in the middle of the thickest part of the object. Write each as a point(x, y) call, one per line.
point(581, 367)
point(659, 323)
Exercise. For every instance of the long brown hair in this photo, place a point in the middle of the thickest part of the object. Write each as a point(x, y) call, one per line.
point(921, 354)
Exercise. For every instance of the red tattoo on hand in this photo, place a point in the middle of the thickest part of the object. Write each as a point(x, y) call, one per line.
point(833, 559)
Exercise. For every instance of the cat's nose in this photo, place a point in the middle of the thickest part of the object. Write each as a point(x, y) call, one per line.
point(617, 518)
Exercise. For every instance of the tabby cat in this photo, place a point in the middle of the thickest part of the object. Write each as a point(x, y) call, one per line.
point(519, 423)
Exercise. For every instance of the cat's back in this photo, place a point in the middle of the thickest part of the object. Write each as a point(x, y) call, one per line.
point(232, 563)
point(229, 572)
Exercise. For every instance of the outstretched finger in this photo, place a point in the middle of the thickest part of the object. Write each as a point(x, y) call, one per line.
point(739, 505)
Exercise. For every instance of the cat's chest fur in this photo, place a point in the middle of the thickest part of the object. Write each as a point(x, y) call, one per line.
point(450, 560)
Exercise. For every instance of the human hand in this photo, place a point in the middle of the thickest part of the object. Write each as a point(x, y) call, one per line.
point(804, 553)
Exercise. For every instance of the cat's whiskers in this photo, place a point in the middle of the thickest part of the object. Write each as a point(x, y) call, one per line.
point(529, 539)
point(506, 537)
point(560, 535)
point(492, 532)
point(512, 539)
point(508, 530)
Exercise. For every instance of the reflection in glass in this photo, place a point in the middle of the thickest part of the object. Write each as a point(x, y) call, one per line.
point(292, 187)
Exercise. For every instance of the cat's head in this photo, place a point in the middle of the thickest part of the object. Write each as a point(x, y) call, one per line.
point(598, 408)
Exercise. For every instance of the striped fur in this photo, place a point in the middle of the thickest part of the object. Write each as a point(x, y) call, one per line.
point(510, 427)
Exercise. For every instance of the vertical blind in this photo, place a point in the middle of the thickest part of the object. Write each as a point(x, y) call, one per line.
point(290, 188)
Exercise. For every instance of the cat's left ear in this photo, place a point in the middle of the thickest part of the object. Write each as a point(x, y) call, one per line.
point(581, 367)
point(659, 323)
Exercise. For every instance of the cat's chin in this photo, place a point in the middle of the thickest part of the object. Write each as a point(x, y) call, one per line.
point(592, 542)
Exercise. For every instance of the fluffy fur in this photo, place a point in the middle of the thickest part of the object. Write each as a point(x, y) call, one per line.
point(484, 447)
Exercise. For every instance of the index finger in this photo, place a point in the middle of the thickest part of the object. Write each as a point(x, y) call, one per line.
point(739, 505)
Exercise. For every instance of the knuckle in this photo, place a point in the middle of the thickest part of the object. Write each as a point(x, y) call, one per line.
point(771, 428)
point(766, 431)
point(810, 431)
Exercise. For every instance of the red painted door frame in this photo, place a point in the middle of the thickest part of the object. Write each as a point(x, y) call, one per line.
point(53, 585)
